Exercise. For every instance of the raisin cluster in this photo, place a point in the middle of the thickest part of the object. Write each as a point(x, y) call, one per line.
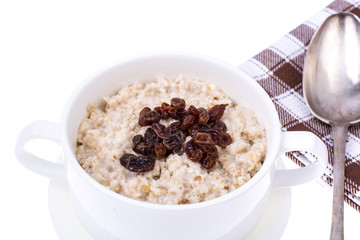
point(205, 128)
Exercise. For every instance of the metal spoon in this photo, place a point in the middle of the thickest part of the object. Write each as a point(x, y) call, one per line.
point(331, 84)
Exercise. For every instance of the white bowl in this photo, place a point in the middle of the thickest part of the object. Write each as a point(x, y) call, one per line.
point(126, 218)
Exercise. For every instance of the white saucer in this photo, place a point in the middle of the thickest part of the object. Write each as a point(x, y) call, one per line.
point(68, 227)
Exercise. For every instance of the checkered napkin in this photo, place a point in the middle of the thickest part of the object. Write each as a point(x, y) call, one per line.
point(278, 69)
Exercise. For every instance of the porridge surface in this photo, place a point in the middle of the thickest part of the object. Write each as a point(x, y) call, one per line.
point(106, 135)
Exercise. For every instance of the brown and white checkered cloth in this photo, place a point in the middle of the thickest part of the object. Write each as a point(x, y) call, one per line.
point(278, 69)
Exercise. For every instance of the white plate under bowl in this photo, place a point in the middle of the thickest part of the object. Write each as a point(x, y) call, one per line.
point(68, 226)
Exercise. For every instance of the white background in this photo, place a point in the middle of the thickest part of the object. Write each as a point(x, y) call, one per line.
point(48, 47)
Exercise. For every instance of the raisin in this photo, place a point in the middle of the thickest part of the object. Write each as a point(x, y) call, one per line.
point(137, 163)
point(126, 158)
point(163, 113)
point(147, 117)
point(193, 111)
point(180, 135)
point(203, 128)
point(193, 130)
point(178, 103)
point(180, 114)
point(160, 130)
point(215, 135)
point(198, 128)
point(219, 126)
point(193, 152)
point(216, 112)
point(188, 121)
point(143, 148)
point(210, 158)
point(203, 116)
point(150, 137)
point(174, 112)
point(143, 112)
point(185, 132)
point(137, 139)
point(165, 106)
point(160, 151)
point(225, 140)
point(174, 140)
point(202, 138)
point(179, 150)
point(174, 127)
point(152, 116)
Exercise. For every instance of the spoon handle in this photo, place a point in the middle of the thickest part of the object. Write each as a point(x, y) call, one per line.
point(339, 136)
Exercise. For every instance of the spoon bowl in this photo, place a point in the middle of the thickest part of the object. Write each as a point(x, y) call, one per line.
point(331, 86)
point(332, 70)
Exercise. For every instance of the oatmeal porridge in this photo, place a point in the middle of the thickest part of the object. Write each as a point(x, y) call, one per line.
point(108, 134)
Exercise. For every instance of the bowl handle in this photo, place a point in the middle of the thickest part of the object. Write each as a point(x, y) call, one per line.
point(301, 141)
point(39, 130)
